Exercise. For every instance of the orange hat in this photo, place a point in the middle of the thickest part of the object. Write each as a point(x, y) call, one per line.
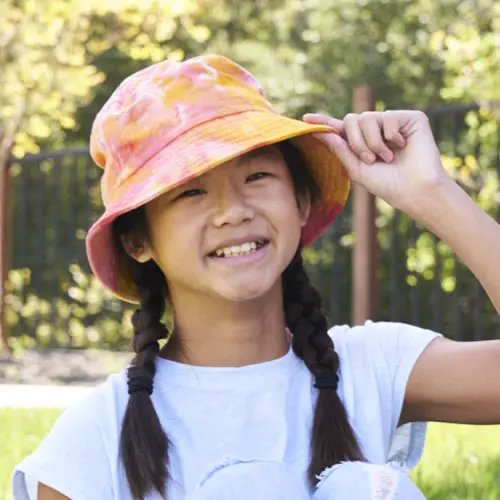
point(171, 122)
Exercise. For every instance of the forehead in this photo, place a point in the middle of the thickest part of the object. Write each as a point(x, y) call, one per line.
point(271, 150)
point(271, 154)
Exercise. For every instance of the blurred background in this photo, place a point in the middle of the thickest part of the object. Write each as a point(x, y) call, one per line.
point(61, 59)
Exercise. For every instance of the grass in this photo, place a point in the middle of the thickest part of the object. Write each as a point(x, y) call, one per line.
point(21, 430)
point(459, 462)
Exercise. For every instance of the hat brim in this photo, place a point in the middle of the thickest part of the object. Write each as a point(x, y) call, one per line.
point(199, 150)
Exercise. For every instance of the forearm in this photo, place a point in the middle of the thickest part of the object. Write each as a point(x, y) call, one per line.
point(472, 234)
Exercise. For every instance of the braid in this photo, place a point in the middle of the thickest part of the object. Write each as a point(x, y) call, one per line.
point(144, 444)
point(333, 440)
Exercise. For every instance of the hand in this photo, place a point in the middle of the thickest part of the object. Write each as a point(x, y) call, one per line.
point(392, 154)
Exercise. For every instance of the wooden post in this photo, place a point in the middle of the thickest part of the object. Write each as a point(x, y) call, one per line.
point(364, 263)
point(5, 245)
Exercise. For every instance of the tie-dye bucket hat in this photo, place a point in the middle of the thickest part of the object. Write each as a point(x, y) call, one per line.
point(174, 121)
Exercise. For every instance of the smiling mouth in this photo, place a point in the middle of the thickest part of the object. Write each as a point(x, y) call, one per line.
point(239, 250)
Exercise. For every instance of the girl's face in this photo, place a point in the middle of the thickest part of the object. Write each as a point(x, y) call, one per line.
point(229, 233)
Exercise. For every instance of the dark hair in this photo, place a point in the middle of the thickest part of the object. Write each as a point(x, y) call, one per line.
point(143, 443)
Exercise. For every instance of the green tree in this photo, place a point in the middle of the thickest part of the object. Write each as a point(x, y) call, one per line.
point(47, 54)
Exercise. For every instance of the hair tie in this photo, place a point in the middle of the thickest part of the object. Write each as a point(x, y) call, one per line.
point(327, 380)
point(140, 383)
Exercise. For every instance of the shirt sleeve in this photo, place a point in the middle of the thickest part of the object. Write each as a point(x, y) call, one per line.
point(376, 363)
point(72, 458)
point(402, 345)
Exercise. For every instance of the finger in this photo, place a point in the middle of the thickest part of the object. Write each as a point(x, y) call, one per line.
point(390, 126)
point(371, 127)
point(340, 147)
point(321, 119)
point(356, 140)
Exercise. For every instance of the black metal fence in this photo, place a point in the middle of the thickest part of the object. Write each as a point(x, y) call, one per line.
point(54, 300)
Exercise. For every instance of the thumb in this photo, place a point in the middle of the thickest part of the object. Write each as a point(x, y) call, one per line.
point(320, 119)
point(339, 146)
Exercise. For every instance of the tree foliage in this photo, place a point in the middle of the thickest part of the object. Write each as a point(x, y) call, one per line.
point(309, 55)
point(47, 57)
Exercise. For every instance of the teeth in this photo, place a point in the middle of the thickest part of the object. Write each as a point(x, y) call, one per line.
point(236, 250)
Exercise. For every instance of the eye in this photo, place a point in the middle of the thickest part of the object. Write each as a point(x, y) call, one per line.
point(257, 176)
point(190, 193)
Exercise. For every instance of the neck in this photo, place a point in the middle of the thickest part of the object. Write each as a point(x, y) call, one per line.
point(211, 332)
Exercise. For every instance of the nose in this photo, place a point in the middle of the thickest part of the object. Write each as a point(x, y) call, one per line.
point(231, 207)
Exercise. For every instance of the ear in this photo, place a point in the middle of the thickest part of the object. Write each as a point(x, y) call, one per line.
point(140, 251)
point(304, 209)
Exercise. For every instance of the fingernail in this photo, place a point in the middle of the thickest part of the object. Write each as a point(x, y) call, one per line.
point(367, 157)
point(401, 142)
point(386, 156)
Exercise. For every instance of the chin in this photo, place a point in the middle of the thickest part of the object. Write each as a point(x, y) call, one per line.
point(245, 290)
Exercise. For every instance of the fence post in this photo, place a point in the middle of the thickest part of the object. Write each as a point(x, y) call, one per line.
point(5, 245)
point(364, 263)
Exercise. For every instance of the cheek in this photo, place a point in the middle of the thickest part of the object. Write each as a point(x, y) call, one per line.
point(175, 240)
point(285, 209)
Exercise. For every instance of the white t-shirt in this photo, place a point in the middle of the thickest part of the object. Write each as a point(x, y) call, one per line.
point(219, 415)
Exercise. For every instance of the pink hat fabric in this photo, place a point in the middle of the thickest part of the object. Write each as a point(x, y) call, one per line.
point(171, 122)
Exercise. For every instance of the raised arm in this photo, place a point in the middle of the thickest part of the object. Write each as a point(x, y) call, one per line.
point(459, 381)
point(451, 381)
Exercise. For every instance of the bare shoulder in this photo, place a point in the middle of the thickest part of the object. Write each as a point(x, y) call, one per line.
point(46, 493)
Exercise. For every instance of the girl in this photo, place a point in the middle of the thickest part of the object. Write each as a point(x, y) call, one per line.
point(210, 196)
